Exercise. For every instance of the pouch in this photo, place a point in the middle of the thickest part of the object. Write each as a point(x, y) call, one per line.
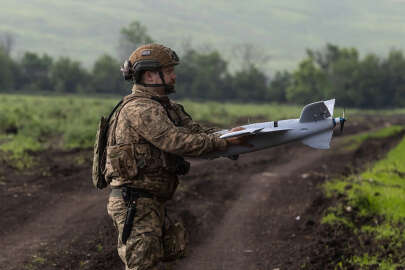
point(99, 155)
point(175, 240)
point(121, 161)
point(149, 157)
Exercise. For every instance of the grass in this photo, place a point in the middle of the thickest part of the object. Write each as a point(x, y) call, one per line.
point(41, 118)
point(227, 114)
point(354, 141)
point(32, 123)
point(374, 206)
point(374, 261)
point(384, 188)
point(332, 218)
point(368, 112)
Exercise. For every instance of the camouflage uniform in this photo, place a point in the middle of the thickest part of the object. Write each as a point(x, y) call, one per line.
point(147, 139)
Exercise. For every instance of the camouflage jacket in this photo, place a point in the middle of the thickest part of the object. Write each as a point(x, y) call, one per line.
point(149, 132)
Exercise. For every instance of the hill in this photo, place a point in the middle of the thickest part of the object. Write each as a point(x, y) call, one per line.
point(284, 29)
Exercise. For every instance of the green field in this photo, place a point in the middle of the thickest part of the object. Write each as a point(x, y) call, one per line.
point(33, 123)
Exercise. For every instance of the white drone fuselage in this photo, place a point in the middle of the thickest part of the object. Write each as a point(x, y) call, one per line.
point(314, 128)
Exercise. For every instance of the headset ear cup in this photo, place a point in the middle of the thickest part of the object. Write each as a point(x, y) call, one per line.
point(127, 70)
point(138, 76)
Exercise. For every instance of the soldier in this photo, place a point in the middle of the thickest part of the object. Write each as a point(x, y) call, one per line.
point(147, 139)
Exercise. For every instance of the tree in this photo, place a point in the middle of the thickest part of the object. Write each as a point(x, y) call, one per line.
point(69, 77)
point(248, 55)
point(394, 79)
point(202, 76)
point(106, 76)
point(328, 73)
point(250, 84)
point(368, 92)
point(278, 87)
point(131, 37)
point(307, 83)
point(35, 72)
point(7, 75)
point(9, 71)
point(324, 57)
point(341, 76)
point(7, 41)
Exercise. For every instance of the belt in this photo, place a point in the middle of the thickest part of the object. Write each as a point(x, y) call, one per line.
point(140, 193)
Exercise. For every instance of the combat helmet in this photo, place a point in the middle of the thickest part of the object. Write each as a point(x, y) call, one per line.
point(151, 57)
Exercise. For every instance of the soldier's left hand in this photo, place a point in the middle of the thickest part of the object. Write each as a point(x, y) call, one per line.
point(239, 140)
point(236, 129)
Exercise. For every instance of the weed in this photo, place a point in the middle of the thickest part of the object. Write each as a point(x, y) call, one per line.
point(376, 199)
point(30, 266)
point(83, 263)
point(332, 219)
point(366, 260)
point(99, 248)
point(38, 260)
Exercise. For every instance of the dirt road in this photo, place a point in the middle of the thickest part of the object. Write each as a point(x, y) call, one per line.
point(254, 213)
point(258, 228)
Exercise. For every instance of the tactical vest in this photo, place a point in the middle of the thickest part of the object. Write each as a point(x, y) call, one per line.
point(141, 164)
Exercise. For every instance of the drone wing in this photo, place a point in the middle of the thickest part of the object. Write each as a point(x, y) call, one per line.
point(254, 131)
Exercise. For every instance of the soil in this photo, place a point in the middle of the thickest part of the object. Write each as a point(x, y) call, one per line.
point(260, 212)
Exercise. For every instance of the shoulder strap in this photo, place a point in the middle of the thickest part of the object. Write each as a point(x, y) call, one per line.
point(113, 110)
point(165, 104)
point(105, 130)
point(123, 102)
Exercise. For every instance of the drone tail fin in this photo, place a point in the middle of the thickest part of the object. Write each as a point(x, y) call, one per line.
point(317, 111)
point(319, 141)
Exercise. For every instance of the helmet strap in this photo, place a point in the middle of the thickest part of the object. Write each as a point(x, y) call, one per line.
point(168, 88)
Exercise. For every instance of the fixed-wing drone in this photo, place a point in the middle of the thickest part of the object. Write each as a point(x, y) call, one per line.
point(314, 128)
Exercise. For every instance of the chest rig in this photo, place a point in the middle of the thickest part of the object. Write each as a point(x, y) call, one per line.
point(128, 162)
point(170, 110)
point(180, 165)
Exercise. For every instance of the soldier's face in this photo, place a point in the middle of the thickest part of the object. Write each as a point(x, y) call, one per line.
point(169, 75)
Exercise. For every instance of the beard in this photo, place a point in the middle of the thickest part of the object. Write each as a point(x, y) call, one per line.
point(170, 89)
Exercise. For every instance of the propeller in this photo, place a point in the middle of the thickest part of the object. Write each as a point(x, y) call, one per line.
point(342, 120)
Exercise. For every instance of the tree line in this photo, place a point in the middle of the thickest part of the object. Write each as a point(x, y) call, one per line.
point(368, 82)
point(331, 72)
point(200, 76)
point(42, 73)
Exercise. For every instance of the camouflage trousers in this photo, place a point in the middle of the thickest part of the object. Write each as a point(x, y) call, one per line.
point(144, 248)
